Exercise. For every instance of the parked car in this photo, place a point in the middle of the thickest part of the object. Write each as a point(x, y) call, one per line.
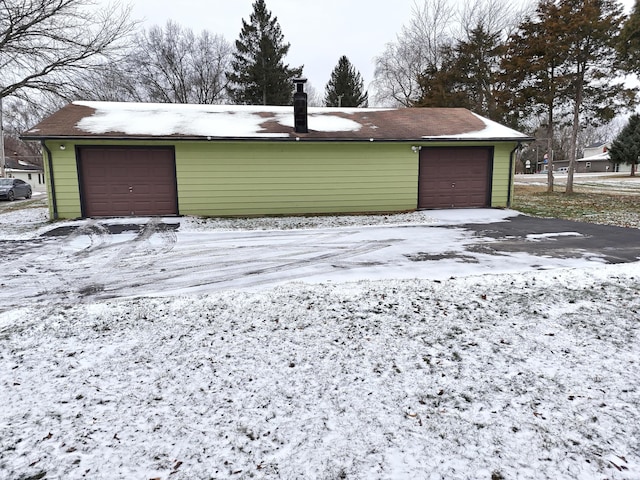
point(563, 170)
point(12, 188)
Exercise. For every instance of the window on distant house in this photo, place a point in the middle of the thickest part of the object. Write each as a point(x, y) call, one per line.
point(29, 176)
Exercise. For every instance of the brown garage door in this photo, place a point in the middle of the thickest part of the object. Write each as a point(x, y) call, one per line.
point(454, 177)
point(127, 181)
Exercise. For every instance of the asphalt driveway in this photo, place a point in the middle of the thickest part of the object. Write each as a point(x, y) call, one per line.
point(91, 260)
point(554, 238)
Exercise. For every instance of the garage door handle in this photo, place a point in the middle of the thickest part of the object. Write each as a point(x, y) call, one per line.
point(453, 185)
point(130, 189)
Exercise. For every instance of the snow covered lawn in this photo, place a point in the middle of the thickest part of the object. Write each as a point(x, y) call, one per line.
point(530, 375)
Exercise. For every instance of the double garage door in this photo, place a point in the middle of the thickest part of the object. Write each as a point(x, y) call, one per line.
point(127, 181)
point(455, 177)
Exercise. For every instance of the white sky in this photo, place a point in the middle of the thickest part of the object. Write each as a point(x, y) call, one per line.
point(319, 31)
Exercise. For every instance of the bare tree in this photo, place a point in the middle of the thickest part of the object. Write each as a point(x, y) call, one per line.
point(174, 65)
point(423, 45)
point(20, 116)
point(416, 48)
point(168, 64)
point(45, 42)
point(495, 16)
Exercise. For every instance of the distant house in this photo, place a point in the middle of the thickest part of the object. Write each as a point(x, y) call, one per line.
point(125, 159)
point(596, 159)
point(32, 174)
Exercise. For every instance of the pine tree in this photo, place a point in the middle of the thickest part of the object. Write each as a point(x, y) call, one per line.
point(532, 69)
point(629, 41)
point(442, 86)
point(626, 147)
point(594, 26)
point(258, 73)
point(468, 75)
point(345, 87)
point(565, 57)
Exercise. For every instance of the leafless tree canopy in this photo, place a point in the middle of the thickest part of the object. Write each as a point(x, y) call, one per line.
point(44, 42)
point(167, 64)
point(434, 26)
point(176, 66)
point(416, 48)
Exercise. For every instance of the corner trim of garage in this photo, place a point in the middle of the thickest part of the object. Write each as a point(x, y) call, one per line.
point(511, 162)
point(52, 184)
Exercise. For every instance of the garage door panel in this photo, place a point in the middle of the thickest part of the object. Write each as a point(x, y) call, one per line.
point(454, 177)
point(127, 181)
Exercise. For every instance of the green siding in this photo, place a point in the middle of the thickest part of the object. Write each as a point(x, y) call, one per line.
point(275, 178)
point(262, 178)
point(65, 177)
point(502, 186)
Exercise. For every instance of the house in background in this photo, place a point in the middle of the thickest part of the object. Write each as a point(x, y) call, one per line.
point(595, 159)
point(32, 174)
point(107, 159)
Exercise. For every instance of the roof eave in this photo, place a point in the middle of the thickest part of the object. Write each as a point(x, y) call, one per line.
point(146, 138)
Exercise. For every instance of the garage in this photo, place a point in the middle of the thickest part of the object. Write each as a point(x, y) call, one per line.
point(123, 159)
point(124, 181)
point(455, 177)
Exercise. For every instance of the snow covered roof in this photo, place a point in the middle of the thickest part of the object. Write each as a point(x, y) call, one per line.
point(113, 120)
point(595, 158)
point(20, 165)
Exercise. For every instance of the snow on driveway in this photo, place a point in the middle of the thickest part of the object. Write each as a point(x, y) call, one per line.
point(90, 263)
point(528, 374)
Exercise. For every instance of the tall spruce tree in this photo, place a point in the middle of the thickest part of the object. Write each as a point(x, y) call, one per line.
point(629, 41)
point(594, 27)
point(532, 70)
point(441, 85)
point(626, 146)
point(564, 57)
point(258, 73)
point(468, 76)
point(345, 87)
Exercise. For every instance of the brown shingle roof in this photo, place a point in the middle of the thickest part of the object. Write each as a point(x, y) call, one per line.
point(107, 120)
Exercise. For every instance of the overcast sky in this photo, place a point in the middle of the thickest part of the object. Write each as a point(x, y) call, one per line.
point(319, 31)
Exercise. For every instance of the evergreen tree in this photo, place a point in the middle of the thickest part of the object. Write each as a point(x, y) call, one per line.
point(468, 75)
point(594, 26)
point(629, 41)
point(564, 57)
point(258, 73)
point(481, 54)
point(532, 69)
point(345, 87)
point(626, 147)
point(442, 86)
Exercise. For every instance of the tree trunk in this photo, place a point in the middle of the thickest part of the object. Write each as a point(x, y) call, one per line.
point(577, 105)
point(633, 169)
point(2, 158)
point(550, 152)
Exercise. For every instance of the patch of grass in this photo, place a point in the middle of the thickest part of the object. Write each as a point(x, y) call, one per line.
point(23, 204)
point(602, 208)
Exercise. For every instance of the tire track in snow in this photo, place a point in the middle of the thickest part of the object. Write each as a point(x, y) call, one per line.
point(75, 267)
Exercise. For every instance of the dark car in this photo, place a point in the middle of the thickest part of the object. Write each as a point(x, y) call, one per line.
point(11, 188)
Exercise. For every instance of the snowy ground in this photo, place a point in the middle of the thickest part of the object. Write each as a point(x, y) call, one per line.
point(531, 374)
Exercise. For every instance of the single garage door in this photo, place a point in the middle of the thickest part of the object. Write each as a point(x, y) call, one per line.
point(455, 177)
point(119, 182)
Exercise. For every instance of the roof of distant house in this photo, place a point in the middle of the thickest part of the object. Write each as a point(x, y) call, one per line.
point(20, 165)
point(595, 158)
point(116, 120)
